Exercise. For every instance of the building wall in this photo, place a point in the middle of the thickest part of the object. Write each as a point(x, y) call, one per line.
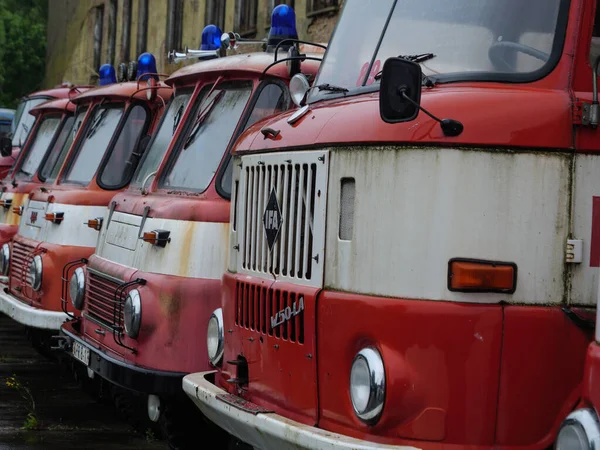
point(71, 23)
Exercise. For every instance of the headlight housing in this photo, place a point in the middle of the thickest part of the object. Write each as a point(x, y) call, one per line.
point(35, 272)
point(214, 337)
point(579, 431)
point(77, 288)
point(367, 385)
point(5, 259)
point(133, 313)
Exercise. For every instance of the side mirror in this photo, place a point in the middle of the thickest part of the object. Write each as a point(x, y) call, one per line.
point(5, 146)
point(400, 78)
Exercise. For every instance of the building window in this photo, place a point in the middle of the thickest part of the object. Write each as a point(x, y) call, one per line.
point(314, 7)
point(215, 13)
point(271, 6)
point(245, 17)
point(112, 31)
point(142, 27)
point(125, 32)
point(98, 26)
point(174, 24)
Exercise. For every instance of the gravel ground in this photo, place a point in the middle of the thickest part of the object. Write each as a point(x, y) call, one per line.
point(65, 416)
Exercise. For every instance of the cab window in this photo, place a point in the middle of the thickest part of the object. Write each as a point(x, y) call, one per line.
point(123, 159)
point(39, 145)
point(162, 137)
point(272, 99)
point(56, 157)
point(207, 137)
point(94, 143)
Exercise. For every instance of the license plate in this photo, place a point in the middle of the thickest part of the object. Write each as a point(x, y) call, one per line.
point(81, 353)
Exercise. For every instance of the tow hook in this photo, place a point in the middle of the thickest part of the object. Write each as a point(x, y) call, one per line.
point(62, 343)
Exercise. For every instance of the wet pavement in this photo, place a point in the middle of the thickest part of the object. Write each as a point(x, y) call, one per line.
point(42, 406)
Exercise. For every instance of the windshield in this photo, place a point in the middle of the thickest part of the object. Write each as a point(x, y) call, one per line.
point(42, 139)
point(61, 147)
point(200, 152)
point(122, 160)
point(160, 143)
point(23, 120)
point(94, 144)
point(468, 39)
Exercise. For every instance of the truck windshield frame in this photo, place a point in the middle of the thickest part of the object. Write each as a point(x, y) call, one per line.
point(479, 41)
point(23, 121)
point(209, 114)
point(93, 142)
point(46, 134)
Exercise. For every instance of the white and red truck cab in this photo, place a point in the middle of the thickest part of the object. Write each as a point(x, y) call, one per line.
point(407, 261)
point(23, 122)
point(116, 120)
point(50, 137)
point(155, 277)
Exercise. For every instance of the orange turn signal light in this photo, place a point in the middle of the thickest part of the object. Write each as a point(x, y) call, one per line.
point(18, 210)
point(157, 237)
point(96, 223)
point(473, 275)
point(56, 217)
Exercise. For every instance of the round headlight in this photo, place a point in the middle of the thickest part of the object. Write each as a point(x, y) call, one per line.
point(133, 313)
point(35, 272)
point(367, 384)
point(5, 259)
point(579, 431)
point(214, 337)
point(77, 288)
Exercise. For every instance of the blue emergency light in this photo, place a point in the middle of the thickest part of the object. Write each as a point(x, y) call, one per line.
point(283, 25)
point(107, 75)
point(211, 38)
point(146, 64)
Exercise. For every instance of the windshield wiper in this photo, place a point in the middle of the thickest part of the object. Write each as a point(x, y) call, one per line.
point(202, 116)
point(414, 58)
point(330, 88)
point(96, 123)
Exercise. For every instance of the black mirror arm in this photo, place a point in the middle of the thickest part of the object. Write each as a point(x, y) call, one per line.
point(450, 127)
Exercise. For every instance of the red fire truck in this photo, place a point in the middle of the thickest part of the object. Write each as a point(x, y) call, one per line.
point(50, 139)
point(412, 260)
point(23, 122)
point(116, 119)
point(156, 274)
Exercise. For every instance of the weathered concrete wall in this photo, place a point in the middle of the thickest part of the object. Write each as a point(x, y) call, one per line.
point(70, 54)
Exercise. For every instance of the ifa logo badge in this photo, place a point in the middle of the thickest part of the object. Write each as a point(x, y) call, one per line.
point(33, 217)
point(272, 219)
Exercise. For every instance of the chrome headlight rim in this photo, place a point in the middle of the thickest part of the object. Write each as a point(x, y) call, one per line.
point(133, 309)
point(376, 373)
point(35, 272)
point(585, 420)
point(77, 280)
point(5, 260)
point(216, 318)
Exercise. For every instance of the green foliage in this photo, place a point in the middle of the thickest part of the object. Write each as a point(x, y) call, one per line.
point(22, 48)
point(31, 422)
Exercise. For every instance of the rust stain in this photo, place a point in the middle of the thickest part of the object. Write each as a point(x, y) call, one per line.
point(186, 254)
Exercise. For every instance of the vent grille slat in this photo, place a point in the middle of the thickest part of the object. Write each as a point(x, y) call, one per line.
point(100, 300)
point(20, 258)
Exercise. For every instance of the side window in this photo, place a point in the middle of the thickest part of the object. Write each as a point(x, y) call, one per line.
point(55, 159)
point(94, 144)
point(122, 160)
point(39, 145)
point(271, 100)
point(595, 47)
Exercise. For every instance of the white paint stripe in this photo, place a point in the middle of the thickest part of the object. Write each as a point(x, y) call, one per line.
point(72, 231)
point(196, 249)
point(267, 431)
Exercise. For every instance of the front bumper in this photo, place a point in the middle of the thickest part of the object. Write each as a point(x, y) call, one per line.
point(266, 430)
point(122, 374)
point(30, 315)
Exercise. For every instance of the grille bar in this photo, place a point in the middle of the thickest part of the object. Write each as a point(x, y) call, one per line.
point(300, 185)
point(100, 302)
point(20, 258)
point(255, 306)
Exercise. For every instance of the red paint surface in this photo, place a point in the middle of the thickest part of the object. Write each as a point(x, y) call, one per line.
point(591, 378)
